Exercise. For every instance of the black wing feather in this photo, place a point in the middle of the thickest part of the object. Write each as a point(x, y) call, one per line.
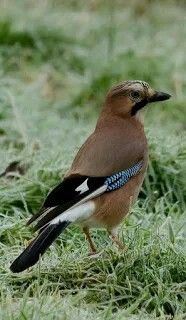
point(62, 193)
point(64, 196)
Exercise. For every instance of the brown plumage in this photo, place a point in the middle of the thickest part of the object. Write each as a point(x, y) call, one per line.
point(117, 143)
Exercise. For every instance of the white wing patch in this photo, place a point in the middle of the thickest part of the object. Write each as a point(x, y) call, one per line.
point(76, 214)
point(83, 187)
point(81, 210)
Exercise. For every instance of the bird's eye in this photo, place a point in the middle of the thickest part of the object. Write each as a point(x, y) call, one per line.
point(135, 95)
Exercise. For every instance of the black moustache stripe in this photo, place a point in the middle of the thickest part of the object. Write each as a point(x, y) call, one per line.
point(138, 106)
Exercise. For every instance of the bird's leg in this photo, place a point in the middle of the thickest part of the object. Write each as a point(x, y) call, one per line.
point(115, 239)
point(91, 243)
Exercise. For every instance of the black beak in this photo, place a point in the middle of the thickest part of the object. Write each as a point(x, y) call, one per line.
point(159, 96)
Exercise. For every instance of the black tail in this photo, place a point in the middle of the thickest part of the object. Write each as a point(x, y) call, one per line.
point(38, 246)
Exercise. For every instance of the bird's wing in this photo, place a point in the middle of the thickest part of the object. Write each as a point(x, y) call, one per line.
point(69, 193)
point(75, 191)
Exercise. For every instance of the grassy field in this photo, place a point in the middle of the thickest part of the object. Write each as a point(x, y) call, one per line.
point(57, 60)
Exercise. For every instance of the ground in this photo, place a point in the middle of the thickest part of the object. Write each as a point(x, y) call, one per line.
point(57, 60)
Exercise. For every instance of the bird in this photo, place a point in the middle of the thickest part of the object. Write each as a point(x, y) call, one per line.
point(105, 177)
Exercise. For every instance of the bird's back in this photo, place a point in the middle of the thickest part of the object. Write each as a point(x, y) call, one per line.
point(116, 146)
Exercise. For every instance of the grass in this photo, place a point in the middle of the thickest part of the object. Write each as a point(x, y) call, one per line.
point(57, 60)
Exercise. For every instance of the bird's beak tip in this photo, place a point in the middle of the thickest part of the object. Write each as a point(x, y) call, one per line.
point(159, 96)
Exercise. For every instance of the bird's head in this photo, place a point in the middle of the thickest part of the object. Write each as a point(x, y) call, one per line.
point(129, 97)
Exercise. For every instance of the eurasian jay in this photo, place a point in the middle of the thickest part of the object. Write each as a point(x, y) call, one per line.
point(105, 177)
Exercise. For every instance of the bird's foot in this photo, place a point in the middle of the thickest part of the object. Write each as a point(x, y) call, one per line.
point(94, 254)
point(121, 246)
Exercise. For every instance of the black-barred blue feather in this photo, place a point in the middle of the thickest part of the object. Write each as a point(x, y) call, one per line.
point(119, 179)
